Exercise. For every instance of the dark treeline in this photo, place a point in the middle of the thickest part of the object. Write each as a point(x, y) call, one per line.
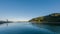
point(1, 22)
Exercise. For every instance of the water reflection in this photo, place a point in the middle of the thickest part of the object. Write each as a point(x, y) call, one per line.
point(25, 28)
point(7, 24)
point(52, 28)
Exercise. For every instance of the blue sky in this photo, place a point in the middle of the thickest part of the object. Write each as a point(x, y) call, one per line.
point(23, 10)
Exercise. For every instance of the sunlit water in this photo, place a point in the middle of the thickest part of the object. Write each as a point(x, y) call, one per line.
point(28, 28)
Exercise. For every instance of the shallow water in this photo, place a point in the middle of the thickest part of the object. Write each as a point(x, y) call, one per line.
point(28, 28)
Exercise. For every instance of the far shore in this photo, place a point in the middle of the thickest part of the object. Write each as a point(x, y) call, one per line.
point(2, 22)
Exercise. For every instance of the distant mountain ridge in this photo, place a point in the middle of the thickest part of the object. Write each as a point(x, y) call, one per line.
point(54, 17)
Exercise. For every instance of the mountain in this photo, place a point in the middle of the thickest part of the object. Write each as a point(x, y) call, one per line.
point(54, 17)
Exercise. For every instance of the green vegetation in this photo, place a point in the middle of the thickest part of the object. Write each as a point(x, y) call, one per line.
point(55, 17)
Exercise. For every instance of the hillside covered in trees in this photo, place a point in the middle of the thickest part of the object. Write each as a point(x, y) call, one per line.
point(55, 17)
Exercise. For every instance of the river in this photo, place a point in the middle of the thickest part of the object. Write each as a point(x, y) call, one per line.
point(28, 28)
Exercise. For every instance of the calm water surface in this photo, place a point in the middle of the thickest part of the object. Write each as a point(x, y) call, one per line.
point(28, 28)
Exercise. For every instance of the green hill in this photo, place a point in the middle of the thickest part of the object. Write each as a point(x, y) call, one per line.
point(55, 17)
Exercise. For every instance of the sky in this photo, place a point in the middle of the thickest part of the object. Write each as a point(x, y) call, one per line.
point(24, 10)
